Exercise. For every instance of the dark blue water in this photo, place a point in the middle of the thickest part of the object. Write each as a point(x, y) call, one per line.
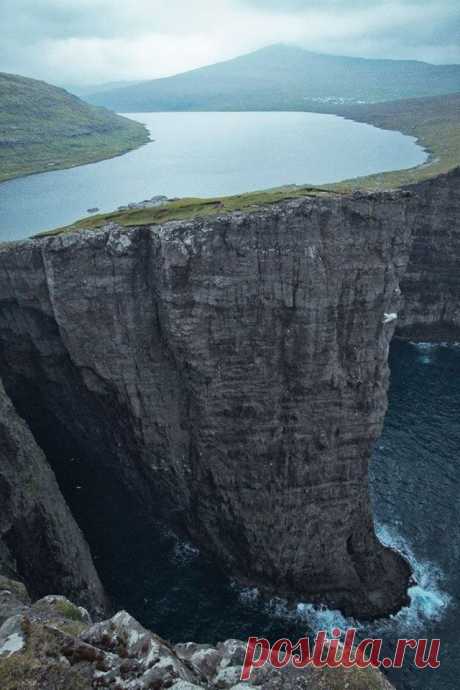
point(415, 477)
point(207, 154)
point(415, 484)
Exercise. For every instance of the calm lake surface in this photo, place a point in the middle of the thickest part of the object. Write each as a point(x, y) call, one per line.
point(207, 154)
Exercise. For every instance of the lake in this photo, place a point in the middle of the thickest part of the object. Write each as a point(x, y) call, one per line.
point(207, 154)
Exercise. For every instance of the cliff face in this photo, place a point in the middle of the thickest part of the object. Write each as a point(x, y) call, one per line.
point(39, 539)
point(431, 284)
point(230, 374)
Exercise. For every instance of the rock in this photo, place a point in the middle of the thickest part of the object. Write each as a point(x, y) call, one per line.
point(92, 210)
point(204, 658)
point(39, 539)
point(227, 676)
point(147, 203)
point(45, 648)
point(59, 606)
point(11, 636)
point(262, 335)
point(14, 598)
point(431, 284)
point(18, 589)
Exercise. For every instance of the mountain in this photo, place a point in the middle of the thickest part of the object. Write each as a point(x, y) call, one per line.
point(284, 77)
point(43, 127)
point(83, 91)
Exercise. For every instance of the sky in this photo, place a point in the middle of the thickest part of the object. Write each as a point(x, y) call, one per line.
point(86, 42)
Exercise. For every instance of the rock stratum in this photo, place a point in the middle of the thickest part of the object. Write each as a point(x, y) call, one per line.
point(230, 374)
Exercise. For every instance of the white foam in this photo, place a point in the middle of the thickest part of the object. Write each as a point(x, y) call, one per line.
point(426, 359)
point(322, 618)
point(249, 595)
point(428, 601)
point(185, 552)
point(422, 345)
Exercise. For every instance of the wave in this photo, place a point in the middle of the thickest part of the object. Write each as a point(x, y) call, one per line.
point(428, 601)
point(184, 552)
point(428, 345)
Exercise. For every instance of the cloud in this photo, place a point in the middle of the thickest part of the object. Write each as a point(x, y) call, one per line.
point(91, 41)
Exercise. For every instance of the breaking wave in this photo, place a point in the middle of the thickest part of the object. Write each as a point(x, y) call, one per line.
point(428, 601)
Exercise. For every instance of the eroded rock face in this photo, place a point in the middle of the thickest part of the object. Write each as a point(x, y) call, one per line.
point(39, 539)
point(53, 645)
point(431, 284)
point(232, 372)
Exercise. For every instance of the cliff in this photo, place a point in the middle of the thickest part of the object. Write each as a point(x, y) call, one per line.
point(431, 283)
point(230, 374)
point(39, 539)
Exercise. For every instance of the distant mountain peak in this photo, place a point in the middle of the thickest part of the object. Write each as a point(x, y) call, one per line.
point(285, 76)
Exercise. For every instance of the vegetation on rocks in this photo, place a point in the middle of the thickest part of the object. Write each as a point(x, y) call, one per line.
point(45, 128)
point(119, 653)
point(187, 208)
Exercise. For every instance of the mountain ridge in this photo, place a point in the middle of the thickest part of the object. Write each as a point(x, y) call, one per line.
point(284, 77)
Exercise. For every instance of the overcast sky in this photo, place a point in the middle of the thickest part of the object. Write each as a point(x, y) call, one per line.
point(92, 41)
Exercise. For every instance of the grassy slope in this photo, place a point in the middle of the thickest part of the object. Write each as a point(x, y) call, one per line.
point(43, 127)
point(187, 208)
point(435, 121)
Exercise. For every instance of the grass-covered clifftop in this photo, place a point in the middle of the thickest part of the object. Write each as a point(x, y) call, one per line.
point(190, 207)
point(43, 127)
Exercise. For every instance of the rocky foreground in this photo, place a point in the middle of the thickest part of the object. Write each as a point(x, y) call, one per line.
point(54, 645)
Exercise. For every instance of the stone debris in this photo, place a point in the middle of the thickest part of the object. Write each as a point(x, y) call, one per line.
point(54, 645)
point(158, 200)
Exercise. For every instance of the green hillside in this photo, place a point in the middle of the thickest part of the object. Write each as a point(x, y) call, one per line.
point(434, 122)
point(43, 127)
point(283, 77)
